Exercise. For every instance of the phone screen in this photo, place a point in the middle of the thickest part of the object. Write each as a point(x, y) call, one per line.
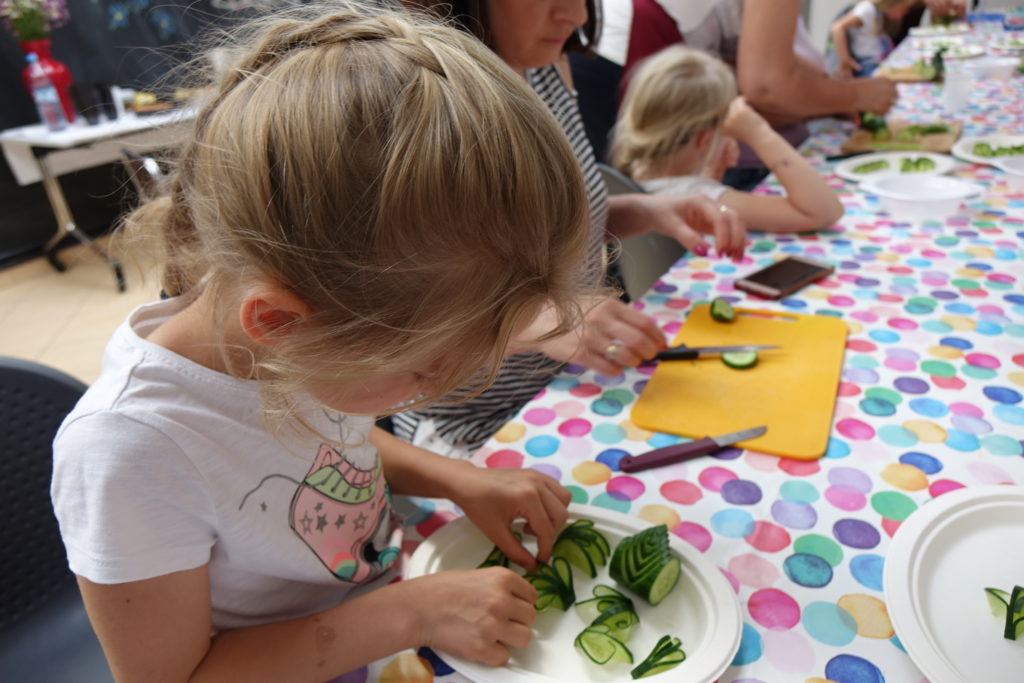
point(785, 276)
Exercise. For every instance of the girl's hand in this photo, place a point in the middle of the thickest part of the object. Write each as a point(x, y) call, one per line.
point(614, 335)
point(848, 66)
point(477, 614)
point(494, 498)
point(742, 121)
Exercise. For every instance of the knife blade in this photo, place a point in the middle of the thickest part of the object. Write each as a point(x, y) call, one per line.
point(685, 451)
point(684, 352)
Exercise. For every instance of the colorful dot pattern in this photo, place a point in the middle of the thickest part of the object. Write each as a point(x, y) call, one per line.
point(931, 400)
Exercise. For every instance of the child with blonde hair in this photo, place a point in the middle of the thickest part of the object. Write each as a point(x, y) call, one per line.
point(858, 39)
point(370, 206)
point(676, 134)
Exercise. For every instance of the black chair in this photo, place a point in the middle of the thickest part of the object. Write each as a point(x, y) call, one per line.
point(642, 259)
point(45, 634)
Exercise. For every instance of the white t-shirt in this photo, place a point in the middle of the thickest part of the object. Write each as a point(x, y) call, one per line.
point(166, 465)
point(866, 41)
point(686, 185)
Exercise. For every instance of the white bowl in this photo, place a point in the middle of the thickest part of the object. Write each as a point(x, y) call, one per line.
point(991, 66)
point(921, 196)
point(1014, 168)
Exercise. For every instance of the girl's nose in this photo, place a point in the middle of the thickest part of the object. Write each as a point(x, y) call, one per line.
point(571, 11)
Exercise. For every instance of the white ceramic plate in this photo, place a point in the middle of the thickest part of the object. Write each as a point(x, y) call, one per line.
point(845, 168)
point(702, 611)
point(962, 148)
point(939, 563)
point(938, 30)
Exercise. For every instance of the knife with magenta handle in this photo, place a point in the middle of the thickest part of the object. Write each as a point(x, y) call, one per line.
point(684, 352)
point(685, 451)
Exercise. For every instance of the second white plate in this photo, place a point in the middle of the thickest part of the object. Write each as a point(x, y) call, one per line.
point(963, 148)
point(702, 611)
point(846, 167)
point(939, 563)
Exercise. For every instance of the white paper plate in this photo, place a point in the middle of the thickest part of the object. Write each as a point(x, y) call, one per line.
point(844, 169)
point(963, 52)
point(962, 148)
point(1010, 43)
point(938, 30)
point(939, 563)
point(702, 611)
point(934, 42)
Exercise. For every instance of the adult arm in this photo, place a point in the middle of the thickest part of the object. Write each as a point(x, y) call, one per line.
point(774, 82)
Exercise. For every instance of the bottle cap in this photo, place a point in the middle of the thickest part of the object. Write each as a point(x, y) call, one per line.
point(31, 57)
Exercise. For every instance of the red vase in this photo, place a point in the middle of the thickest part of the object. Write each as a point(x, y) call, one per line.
point(58, 73)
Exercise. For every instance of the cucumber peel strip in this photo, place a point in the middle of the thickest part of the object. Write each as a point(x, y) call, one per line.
point(667, 654)
point(1011, 607)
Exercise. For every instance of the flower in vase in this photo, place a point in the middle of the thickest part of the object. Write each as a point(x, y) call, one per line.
point(33, 19)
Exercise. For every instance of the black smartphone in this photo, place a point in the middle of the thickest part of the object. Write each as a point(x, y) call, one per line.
point(784, 277)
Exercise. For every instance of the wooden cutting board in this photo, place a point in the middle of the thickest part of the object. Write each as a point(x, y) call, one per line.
point(862, 140)
point(792, 390)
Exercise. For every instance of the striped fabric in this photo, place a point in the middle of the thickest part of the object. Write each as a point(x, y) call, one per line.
point(521, 376)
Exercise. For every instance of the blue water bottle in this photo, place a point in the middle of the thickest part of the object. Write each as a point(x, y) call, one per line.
point(45, 95)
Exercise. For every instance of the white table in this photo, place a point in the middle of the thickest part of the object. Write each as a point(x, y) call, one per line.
point(36, 154)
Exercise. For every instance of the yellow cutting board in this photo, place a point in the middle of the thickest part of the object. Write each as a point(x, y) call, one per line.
point(792, 389)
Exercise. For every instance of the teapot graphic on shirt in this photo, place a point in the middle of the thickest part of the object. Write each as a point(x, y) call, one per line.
point(342, 511)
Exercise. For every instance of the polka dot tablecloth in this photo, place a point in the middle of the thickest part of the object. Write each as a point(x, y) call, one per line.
point(931, 400)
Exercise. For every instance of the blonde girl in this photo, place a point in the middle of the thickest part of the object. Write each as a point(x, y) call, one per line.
point(676, 133)
point(370, 206)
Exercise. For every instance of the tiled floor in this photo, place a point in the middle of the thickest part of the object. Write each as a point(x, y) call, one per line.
point(65, 319)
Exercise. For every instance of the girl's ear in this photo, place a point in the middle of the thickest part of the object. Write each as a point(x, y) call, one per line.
point(268, 314)
point(703, 139)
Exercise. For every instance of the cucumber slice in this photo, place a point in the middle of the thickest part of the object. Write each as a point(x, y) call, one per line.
point(722, 310)
point(740, 360)
point(497, 558)
point(644, 564)
point(667, 654)
point(591, 548)
point(603, 591)
point(620, 619)
point(601, 648)
point(555, 582)
point(1009, 607)
point(998, 601)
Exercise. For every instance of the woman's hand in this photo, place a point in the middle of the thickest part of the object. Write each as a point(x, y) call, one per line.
point(476, 614)
point(683, 218)
point(876, 95)
point(686, 218)
point(613, 335)
point(494, 498)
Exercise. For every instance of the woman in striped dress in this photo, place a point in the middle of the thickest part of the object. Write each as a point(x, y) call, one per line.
point(533, 37)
